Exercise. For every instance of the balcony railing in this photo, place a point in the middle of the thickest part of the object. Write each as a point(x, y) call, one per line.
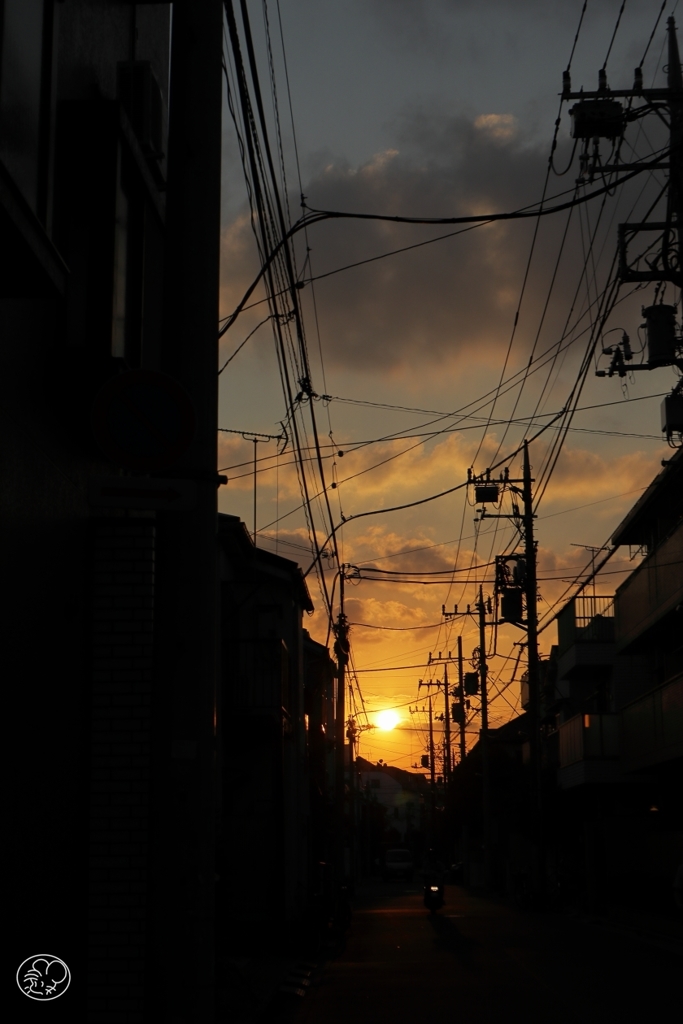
point(589, 750)
point(587, 737)
point(586, 619)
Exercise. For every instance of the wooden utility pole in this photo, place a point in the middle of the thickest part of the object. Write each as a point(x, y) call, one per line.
point(484, 740)
point(534, 675)
point(432, 774)
point(675, 85)
point(255, 440)
point(447, 731)
point(531, 588)
point(341, 650)
point(461, 698)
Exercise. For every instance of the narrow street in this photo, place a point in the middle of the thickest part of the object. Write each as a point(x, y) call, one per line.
point(477, 961)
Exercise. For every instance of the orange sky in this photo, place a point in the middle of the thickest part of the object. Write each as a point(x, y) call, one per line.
point(396, 343)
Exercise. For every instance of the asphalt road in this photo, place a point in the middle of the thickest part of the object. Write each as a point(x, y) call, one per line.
point(479, 962)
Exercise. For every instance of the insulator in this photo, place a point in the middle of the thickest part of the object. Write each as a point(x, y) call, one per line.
point(602, 80)
point(626, 344)
point(601, 119)
point(638, 80)
point(660, 323)
point(566, 83)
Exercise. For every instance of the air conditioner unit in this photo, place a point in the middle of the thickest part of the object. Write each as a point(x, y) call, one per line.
point(140, 96)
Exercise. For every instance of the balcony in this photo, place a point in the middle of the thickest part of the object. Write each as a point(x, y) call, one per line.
point(589, 750)
point(652, 727)
point(651, 592)
point(585, 628)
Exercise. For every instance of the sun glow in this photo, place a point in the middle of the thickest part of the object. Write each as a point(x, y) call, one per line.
point(387, 720)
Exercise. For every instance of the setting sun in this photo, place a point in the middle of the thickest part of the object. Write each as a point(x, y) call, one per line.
point(387, 720)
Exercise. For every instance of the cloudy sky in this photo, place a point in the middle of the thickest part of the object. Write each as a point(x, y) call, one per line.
point(437, 108)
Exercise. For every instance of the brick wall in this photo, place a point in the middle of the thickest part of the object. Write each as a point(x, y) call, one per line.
point(122, 661)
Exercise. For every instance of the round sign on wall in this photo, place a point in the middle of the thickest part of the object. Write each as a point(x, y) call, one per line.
point(143, 420)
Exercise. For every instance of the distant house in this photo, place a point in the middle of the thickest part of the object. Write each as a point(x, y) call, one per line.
point(401, 793)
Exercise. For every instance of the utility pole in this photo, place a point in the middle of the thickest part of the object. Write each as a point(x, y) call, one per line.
point(534, 675)
point(447, 771)
point(482, 607)
point(484, 740)
point(184, 702)
point(255, 440)
point(341, 650)
point(432, 775)
point(531, 587)
point(528, 582)
point(447, 732)
point(461, 698)
point(351, 735)
point(648, 250)
point(675, 84)
point(256, 437)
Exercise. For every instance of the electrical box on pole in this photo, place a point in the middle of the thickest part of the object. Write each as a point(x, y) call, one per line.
point(663, 341)
point(471, 683)
point(598, 119)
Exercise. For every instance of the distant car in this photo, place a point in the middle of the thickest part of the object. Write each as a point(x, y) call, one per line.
point(398, 864)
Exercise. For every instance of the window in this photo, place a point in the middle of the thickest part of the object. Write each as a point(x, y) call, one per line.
point(21, 79)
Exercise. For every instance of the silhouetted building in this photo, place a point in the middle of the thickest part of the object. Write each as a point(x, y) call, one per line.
point(83, 98)
point(612, 739)
point(277, 714)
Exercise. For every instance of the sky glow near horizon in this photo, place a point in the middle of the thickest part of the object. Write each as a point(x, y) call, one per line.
point(437, 108)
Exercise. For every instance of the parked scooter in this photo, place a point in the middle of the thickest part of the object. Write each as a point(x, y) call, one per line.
point(433, 897)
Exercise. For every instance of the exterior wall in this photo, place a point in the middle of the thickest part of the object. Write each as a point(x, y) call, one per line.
point(80, 703)
point(265, 815)
point(651, 591)
point(122, 664)
point(652, 727)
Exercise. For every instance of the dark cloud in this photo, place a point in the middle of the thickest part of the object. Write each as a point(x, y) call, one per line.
point(453, 297)
point(452, 300)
